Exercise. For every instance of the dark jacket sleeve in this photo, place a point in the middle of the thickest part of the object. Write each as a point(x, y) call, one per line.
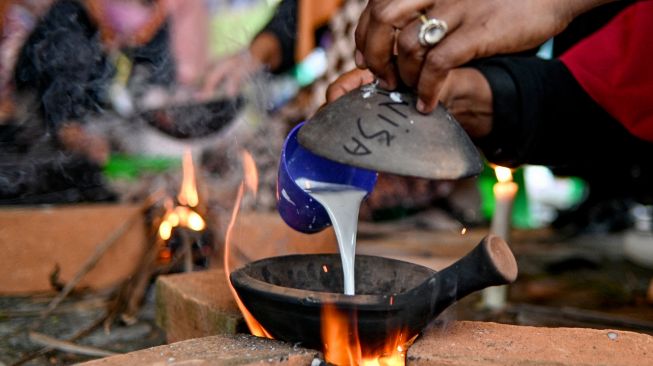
point(283, 26)
point(543, 116)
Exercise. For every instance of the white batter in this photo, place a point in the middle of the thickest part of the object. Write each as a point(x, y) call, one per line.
point(342, 203)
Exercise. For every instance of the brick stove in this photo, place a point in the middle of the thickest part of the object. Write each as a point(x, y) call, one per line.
point(197, 312)
point(204, 327)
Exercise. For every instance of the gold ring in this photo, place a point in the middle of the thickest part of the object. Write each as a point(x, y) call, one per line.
point(432, 31)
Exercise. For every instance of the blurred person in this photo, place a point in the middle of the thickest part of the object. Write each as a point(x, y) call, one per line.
point(297, 27)
point(585, 113)
point(60, 61)
point(291, 34)
point(65, 55)
point(189, 36)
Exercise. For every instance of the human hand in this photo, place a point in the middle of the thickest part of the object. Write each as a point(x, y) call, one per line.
point(263, 53)
point(75, 139)
point(465, 93)
point(231, 74)
point(189, 20)
point(387, 36)
point(347, 82)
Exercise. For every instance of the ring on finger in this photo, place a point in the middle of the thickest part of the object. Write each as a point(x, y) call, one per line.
point(431, 31)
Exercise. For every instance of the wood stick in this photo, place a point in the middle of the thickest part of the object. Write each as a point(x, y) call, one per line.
point(66, 346)
point(141, 281)
point(187, 246)
point(89, 304)
point(128, 298)
point(100, 250)
point(90, 264)
point(79, 334)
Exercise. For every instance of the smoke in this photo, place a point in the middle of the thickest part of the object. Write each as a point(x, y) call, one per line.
point(60, 179)
point(64, 73)
point(63, 62)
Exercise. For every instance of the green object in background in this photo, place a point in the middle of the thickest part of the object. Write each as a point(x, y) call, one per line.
point(521, 217)
point(578, 190)
point(131, 167)
point(233, 29)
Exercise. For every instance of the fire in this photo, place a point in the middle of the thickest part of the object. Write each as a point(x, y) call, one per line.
point(251, 173)
point(505, 187)
point(188, 192)
point(342, 346)
point(251, 182)
point(184, 214)
point(339, 333)
point(503, 174)
point(180, 216)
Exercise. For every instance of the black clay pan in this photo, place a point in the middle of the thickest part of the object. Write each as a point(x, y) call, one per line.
point(194, 120)
point(286, 294)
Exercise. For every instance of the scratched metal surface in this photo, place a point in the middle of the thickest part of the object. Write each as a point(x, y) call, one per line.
point(380, 130)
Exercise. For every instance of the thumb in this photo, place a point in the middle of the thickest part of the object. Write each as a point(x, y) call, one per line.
point(348, 82)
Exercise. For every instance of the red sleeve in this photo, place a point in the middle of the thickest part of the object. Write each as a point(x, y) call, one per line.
point(615, 67)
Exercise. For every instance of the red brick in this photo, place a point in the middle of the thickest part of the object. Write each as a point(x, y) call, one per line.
point(197, 304)
point(36, 239)
point(219, 350)
point(489, 344)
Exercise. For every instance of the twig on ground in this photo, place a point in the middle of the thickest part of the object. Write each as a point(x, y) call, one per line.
point(66, 346)
point(87, 304)
point(79, 334)
point(89, 264)
point(130, 294)
point(100, 250)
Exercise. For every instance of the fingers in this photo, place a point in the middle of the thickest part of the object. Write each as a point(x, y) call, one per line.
point(215, 78)
point(397, 14)
point(410, 53)
point(475, 29)
point(452, 51)
point(375, 35)
point(379, 54)
point(359, 35)
point(230, 74)
point(467, 95)
point(233, 84)
point(348, 82)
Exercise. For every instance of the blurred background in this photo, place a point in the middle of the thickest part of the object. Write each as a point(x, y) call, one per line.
point(137, 137)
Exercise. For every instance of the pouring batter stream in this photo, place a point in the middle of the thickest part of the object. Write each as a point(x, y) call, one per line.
point(342, 203)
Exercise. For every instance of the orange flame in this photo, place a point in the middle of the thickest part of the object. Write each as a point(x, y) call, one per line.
point(250, 172)
point(183, 215)
point(341, 343)
point(254, 326)
point(180, 216)
point(342, 346)
point(188, 192)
